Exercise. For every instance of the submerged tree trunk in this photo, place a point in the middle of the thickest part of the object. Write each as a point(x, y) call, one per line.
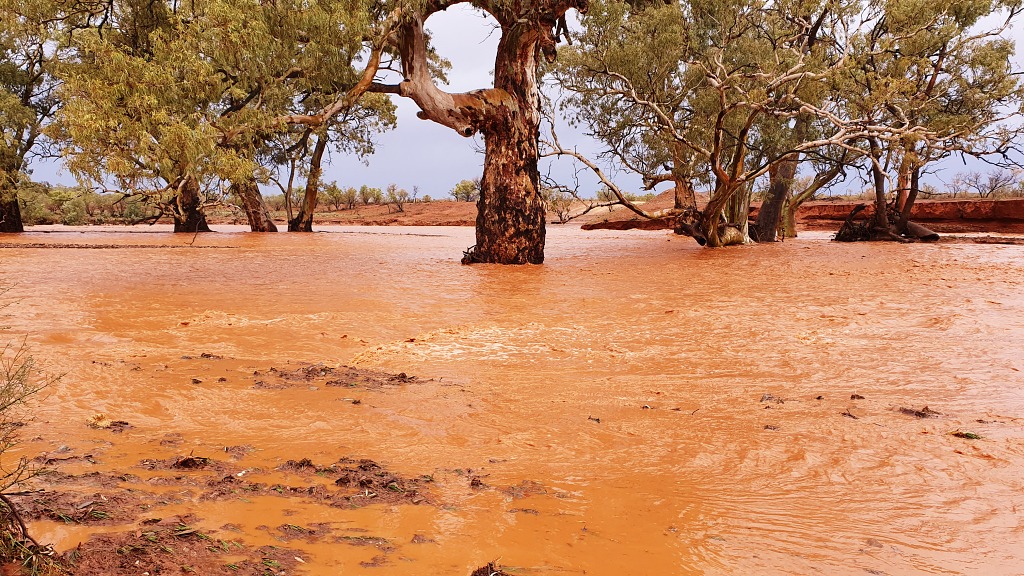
point(510, 217)
point(510, 211)
point(711, 227)
point(878, 181)
point(187, 208)
point(256, 211)
point(780, 187)
point(10, 210)
point(303, 221)
point(737, 212)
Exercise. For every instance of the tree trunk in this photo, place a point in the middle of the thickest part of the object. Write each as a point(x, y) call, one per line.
point(718, 233)
point(510, 211)
point(10, 210)
point(737, 211)
point(908, 205)
point(903, 178)
point(188, 208)
point(780, 185)
point(303, 221)
point(878, 178)
point(510, 216)
point(255, 208)
point(789, 218)
point(685, 197)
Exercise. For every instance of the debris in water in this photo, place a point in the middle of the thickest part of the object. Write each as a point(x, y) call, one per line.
point(849, 414)
point(598, 420)
point(491, 569)
point(191, 462)
point(771, 398)
point(770, 427)
point(856, 397)
point(101, 421)
point(966, 435)
point(922, 413)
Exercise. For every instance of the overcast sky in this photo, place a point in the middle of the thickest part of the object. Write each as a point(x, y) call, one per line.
point(434, 158)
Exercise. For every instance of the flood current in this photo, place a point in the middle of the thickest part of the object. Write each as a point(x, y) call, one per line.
point(636, 405)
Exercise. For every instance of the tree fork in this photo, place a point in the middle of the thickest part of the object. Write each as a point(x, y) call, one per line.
point(303, 221)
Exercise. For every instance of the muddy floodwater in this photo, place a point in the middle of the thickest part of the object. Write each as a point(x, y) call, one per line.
point(636, 405)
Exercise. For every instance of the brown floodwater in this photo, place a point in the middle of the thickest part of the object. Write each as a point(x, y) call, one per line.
point(612, 401)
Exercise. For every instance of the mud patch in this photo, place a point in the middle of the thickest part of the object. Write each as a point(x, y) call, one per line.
point(95, 508)
point(173, 546)
point(337, 377)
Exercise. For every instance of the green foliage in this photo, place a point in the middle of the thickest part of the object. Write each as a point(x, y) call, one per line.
point(368, 195)
point(466, 191)
point(559, 202)
point(729, 88)
point(397, 196)
point(159, 96)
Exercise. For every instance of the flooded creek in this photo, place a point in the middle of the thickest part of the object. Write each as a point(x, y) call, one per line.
point(636, 405)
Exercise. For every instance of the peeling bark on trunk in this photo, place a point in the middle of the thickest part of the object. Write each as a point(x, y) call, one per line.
point(510, 217)
point(510, 211)
point(780, 184)
point(188, 208)
point(878, 180)
point(303, 221)
point(256, 211)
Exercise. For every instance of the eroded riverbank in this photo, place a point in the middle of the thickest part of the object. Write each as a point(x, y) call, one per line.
point(635, 405)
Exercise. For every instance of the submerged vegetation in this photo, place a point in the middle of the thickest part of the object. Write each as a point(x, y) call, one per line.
point(20, 381)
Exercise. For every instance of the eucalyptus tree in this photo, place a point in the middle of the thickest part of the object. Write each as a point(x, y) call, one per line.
point(932, 79)
point(133, 118)
point(305, 74)
point(713, 84)
point(29, 47)
point(215, 83)
point(352, 129)
point(510, 216)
